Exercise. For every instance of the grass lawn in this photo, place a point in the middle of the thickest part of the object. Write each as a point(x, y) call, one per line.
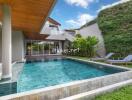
point(130, 65)
point(124, 93)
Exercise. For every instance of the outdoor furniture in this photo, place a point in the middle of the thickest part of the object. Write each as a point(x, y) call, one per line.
point(127, 59)
point(104, 58)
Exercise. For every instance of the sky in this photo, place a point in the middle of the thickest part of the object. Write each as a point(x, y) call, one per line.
point(75, 13)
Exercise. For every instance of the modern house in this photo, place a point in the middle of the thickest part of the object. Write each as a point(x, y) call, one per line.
point(27, 40)
point(26, 33)
point(45, 46)
point(21, 20)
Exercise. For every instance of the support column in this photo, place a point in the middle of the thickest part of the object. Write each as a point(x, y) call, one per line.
point(49, 48)
point(43, 48)
point(6, 43)
point(31, 48)
point(60, 47)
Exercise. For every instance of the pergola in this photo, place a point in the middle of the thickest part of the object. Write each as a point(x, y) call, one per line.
point(26, 15)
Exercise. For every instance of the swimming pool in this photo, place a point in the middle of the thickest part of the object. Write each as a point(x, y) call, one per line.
point(40, 74)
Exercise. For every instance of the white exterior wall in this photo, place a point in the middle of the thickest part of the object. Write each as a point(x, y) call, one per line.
point(17, 46)
point(93, 30)
point(49, 30)
point(60, 48)
point(0, 45)
point(70, 33)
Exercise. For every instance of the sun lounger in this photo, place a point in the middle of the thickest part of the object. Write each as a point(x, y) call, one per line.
point(125, 60)
point(104, 58)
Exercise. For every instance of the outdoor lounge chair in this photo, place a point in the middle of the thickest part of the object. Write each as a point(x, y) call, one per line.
point(104, 58)
point(125, 60)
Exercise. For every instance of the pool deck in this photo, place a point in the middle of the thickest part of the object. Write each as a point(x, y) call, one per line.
point(98, 63)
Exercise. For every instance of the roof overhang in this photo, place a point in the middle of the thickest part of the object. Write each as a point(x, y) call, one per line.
point(28, 15)
point(33, 36)
point(53, 21)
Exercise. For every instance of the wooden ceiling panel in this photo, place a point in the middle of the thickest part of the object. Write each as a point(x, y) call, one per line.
point(32, 36)
point(28, 15)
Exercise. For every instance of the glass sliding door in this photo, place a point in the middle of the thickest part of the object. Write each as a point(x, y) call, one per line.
point(41, 47)
point(28, 48)
point(46, 48)
point(35, 47)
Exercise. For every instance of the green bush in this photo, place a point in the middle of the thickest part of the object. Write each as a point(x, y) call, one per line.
point(116, 26)
point(84, 46)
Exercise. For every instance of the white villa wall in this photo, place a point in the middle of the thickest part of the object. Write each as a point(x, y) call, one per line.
point(0, 45)
point(70, 33)
point(49, 30)
point(17, 46)
point(93, 30)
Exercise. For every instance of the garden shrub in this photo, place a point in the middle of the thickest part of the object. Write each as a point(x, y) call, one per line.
point(116, 26)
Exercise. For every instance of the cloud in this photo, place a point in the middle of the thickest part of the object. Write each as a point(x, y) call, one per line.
point(81, 3)
point(80, 20)
point(111, 5)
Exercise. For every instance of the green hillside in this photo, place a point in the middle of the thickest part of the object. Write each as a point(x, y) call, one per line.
point(116, 26)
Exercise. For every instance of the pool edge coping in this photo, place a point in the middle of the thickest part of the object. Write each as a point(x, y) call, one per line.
point(99, 63)
point(31, 92)
point(93, 93)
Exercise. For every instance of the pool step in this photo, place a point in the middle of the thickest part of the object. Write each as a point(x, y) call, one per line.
point(92, 94)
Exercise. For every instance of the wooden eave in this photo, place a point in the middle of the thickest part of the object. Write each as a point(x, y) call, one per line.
point(28, 16)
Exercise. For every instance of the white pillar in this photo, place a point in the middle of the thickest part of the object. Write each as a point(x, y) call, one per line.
point(60, 47)
point(43, 47)
point(49, 48)
point(31, 48)
point(6, 43)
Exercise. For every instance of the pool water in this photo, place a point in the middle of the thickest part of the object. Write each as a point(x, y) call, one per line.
point(49, 73)
point(8, 88)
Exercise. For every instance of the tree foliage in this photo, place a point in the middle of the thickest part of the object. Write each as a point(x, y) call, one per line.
point(84, 46)
point(116, 26)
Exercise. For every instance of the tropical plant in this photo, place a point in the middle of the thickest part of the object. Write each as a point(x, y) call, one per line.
point(78, 35)
point(84, 46)
point(90, 45)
